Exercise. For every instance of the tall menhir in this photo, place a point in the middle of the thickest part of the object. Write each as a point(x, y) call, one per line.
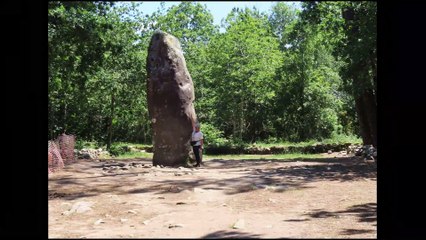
point(170, 100)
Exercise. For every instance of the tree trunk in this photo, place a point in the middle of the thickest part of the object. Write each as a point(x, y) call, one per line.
point(234, 125)
point(363, 123)
point(90, 123)
point(371, 115)
point(240, 133)
point(51, 120)
point(65, 118)
point(365, 103)
point(365, 98)
point(110, 123)
point(144, 133)
point(373, 65)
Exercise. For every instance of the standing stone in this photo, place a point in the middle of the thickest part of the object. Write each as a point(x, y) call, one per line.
point(170, 96)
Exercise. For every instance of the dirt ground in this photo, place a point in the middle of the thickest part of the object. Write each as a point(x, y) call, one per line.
point(315, 198)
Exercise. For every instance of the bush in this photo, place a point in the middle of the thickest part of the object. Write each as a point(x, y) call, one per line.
point(117, 149)
point(80, 144)
point(272, 139)
point(342, 138)
point(212, 135)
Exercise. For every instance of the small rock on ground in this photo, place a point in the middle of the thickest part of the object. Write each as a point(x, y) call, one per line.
point(239, 224)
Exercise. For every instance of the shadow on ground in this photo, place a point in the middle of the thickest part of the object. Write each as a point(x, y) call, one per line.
point(364, 212)
point(244, 176)
point(355, 231)
point(231, 234)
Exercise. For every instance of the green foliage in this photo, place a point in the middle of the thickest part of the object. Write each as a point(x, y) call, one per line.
point(282, 17)
point(80, 144)
point(117, 149)
point(354, 38)
point(334, 139)
point(190, 22)
point(280, 143)
point(243, 58)
point(351, 28)
point(129, 155)
point(95, 89)
point(309, 94)
point(341, 139)
point(213, 136)
point(283, 157)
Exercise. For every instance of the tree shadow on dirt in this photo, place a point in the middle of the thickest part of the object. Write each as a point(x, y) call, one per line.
point(228, 186)
point(364, 212)
point(229, 163)
point(332, 172)
point(231, 234)
point(70, 188)
point(68, 196)
point(274, 177)
point(355, 231)
point(297, 220)
point(245, 176)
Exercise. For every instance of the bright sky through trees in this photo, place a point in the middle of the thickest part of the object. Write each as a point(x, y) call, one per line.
point(219, 10)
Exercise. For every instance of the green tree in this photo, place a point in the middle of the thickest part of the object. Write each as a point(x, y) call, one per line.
point(282, 17)
point(309, 98)
point(96, 72)
point(73, 54)
point(244, 59)
point(352, 28)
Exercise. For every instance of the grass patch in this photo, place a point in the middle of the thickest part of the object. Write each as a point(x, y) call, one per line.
point(133, 145)
point(285, 144)
point(134, 155)
point(290, 156)
point(338, 139)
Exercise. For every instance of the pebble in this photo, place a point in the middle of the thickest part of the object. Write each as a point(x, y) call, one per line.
point(239, 224)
